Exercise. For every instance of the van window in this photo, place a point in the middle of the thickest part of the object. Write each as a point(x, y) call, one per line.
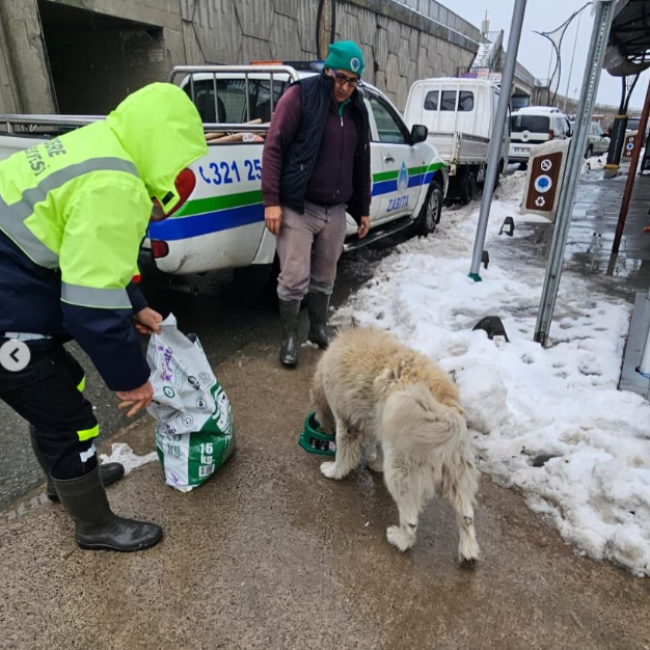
point(534, 123)
point(466, 101)
point(431, 101)
point(448, 101)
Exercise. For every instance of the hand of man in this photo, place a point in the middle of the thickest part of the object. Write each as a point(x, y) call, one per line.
point(147, 321)
point(273, 218)
point(364, 227)
point(138, 398)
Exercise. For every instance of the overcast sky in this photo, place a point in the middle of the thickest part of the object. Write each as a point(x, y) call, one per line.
point(534, 50)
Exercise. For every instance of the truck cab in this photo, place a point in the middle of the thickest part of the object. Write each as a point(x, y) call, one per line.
point(459, 114)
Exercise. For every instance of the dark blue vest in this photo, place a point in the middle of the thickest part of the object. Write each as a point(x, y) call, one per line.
point(298, 162)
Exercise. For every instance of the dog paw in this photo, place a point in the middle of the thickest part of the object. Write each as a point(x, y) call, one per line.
point(468, 554)
point(328, 470)
point(397, 537)
point(468, 563)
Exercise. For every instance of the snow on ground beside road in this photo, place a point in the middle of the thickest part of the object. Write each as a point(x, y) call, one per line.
point(549, 422)
point(594, 163)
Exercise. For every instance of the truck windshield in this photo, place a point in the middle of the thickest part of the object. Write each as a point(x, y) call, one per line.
point(534, 123)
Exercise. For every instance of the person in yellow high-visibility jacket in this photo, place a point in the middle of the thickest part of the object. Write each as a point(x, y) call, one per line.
point(73, 212)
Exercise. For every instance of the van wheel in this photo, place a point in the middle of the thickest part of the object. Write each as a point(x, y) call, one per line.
point(425, 223)
point(468, 187)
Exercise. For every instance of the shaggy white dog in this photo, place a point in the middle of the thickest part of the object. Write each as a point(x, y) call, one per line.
point(370, 387)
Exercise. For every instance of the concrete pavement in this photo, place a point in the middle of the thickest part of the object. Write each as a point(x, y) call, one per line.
point(269, 554)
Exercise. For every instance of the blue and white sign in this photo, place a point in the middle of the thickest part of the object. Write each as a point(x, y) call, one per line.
point(543, 183)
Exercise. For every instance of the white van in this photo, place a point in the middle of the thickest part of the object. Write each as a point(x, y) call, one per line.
point(459, 114)
point(533, 125)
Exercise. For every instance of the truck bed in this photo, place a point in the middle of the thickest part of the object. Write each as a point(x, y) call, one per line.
point(460, 148)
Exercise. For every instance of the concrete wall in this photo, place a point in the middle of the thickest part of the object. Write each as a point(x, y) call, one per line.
point(27, 85)
point(400, 45)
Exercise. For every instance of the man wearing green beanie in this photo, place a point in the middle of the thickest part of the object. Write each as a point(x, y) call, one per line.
point(316, 166)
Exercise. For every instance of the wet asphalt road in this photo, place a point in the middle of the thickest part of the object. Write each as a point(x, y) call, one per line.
point(225, 315)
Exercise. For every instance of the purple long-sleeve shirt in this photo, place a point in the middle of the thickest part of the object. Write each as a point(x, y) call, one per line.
point(331, 179)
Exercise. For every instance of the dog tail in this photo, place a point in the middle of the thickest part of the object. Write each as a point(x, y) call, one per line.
point(413, 417)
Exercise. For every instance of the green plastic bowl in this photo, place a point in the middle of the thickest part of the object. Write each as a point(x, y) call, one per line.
point(316, 441)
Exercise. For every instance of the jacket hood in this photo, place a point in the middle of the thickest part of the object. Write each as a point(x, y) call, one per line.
point(161, 130)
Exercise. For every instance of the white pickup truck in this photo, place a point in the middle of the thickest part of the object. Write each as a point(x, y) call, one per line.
point(221, 226)
point(459, 114)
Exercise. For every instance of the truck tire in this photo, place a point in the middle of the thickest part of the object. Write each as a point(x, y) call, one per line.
point(260, 280)
point(429, 216)
point(497, 180)
point(252, 278)
point(468, 187)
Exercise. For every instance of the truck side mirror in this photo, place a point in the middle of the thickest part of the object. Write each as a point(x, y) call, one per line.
point(419, 133)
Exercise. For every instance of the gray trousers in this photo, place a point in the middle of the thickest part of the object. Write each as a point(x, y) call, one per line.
point(309, 247)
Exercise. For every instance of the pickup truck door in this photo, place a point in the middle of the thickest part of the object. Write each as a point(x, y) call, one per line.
point(396, 186)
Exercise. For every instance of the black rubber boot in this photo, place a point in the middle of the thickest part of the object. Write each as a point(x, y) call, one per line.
point(108, 473)
point(318, 315)
point(96, 526)
point(289, 310)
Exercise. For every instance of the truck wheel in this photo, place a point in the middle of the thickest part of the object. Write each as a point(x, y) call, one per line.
point(497, 180)
point(260, 280)
point(252, 278)
point(468, 187)
point(425, 222)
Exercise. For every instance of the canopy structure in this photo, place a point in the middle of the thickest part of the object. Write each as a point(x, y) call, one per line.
point(628, 47)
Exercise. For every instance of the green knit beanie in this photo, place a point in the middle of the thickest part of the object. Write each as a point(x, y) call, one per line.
point(345, 55)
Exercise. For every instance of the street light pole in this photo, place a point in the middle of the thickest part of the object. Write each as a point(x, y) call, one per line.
point(573, 54)
point(496, 137)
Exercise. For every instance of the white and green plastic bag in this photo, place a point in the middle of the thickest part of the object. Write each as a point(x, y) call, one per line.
point(194, 427)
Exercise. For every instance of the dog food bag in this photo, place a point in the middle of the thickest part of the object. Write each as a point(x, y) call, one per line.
point(194, 424)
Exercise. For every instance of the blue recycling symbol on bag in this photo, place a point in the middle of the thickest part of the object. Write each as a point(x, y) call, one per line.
point(403, 178)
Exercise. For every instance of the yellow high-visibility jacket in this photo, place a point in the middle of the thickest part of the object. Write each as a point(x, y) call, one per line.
point(73, 212)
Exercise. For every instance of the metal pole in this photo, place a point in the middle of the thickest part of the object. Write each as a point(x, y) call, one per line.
point(496, 139)
point(631, 174)
point(644, 367)
point(603, 18)
point(568, 81)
